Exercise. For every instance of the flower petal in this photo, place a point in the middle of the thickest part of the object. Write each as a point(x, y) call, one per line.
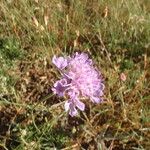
point(102, 86)
point(60, 87)
point(80, 105)
point(59, 62)
point(67, 106)
point(95, 99)
point(73, 112)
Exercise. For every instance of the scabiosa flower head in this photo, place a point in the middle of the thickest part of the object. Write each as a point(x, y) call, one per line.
point(80, 79)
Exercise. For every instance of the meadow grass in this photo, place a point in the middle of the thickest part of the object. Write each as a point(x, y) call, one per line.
point(116, 35)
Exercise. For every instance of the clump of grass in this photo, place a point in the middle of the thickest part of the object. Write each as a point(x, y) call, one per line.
point(10, 50)
point(10, 53)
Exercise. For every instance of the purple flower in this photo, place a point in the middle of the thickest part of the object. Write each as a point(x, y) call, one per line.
point(79, 79)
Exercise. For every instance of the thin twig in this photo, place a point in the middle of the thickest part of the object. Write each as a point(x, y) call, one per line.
point(105, 49)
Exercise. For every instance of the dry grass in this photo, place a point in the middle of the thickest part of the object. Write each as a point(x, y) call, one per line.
point(114, 33)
